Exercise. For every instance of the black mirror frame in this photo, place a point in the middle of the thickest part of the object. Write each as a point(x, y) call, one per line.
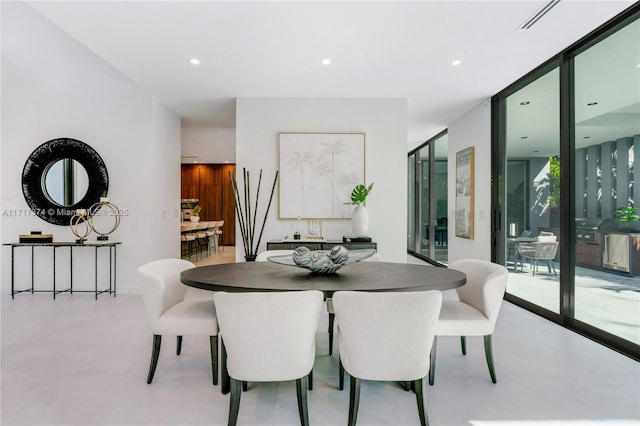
point(38, 163)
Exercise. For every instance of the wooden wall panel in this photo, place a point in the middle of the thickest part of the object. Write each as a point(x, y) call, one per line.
point(211, 185)
point(188, 181)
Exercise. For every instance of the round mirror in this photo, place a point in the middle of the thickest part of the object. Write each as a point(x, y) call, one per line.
point(61, 176)
point(65, 182)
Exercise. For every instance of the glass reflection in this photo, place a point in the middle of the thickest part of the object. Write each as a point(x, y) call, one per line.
point(65, 182)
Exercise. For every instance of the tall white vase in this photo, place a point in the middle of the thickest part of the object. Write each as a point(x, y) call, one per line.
point(360, 221)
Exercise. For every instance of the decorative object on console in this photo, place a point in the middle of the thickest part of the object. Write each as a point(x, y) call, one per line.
point(36, 237)
point(243, 211)
point(351, 239)
point(79, 219)
point(360, 215)
point(104, 208)
point(314, 229)
point(322, 261)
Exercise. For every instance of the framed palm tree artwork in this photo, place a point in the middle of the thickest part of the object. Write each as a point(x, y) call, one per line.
point(318, 172)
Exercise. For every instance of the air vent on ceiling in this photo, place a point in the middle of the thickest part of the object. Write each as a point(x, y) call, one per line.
point(539, 14)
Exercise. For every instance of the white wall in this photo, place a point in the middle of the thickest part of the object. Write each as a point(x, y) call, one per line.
point(384, 122)
point(54, 87)
point(472, 129)
point(211, 145)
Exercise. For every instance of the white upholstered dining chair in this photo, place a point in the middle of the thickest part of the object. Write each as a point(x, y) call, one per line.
point(389, 347)
point(171, 313)
point(267, 337)
point(375, 257)
point(476, 310)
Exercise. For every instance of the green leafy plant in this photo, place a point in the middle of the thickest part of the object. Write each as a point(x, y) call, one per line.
point(360, 194)
point(554, 181)
point(196, 211)
point(626, 215)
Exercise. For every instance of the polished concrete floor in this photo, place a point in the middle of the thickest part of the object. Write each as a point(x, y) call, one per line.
point(78, 361)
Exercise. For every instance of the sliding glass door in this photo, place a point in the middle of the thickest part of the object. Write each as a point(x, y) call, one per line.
point(566, 199)
point(532, 191)
point(428, 207)
point(607, 141)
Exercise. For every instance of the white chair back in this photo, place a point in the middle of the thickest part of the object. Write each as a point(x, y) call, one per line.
point(161, 287)
point(485, 287)
point(269, 336)
point(386, 335)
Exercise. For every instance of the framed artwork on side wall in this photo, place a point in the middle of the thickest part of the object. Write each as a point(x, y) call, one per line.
point(464, 193)
point(318, 172)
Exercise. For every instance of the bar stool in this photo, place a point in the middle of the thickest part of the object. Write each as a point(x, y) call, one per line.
point(202, 239)
point(212, 236)
point(187, 236)
point(217, 225)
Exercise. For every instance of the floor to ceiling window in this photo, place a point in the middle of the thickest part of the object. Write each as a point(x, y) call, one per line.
point(607, 139)
point(566, 199)
point(428, 221)
point(532, 147)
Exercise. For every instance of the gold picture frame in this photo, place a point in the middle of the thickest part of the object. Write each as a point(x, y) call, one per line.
point(464, 193)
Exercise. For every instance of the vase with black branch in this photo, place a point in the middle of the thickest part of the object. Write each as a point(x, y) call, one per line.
point(246, 221)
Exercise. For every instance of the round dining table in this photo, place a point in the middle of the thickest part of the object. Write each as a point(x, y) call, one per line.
point(361, 276)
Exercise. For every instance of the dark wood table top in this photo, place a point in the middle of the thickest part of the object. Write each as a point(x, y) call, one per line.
point(366, 276)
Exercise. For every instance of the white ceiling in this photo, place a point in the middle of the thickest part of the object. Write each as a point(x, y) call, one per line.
point(274, 49)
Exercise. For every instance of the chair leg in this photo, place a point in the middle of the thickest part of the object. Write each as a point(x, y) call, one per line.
point(341, 374)
point(310, 379)
point(155, 353)
point(463, 344)
point(551, 267)
point(234, 401)
point(301, 390)
point(178, 345)
point(489, 354)
point(332, 318)
point(213, 344)
point(354, 399)
point(432, 361)
point(225, 387)
point(245, 385)
point(424, 420)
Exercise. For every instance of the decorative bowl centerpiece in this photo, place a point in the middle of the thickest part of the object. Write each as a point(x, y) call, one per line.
point(322, 261)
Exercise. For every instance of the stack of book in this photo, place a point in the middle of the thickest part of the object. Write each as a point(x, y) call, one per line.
point(36, 237)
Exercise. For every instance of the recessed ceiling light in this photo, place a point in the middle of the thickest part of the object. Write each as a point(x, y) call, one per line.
point(326, 61)
point(638, 66)
point(226, 161)
point(194, 61)
point(456, 62)
point(592, 103)
point(195, 161)
point(525, 103)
